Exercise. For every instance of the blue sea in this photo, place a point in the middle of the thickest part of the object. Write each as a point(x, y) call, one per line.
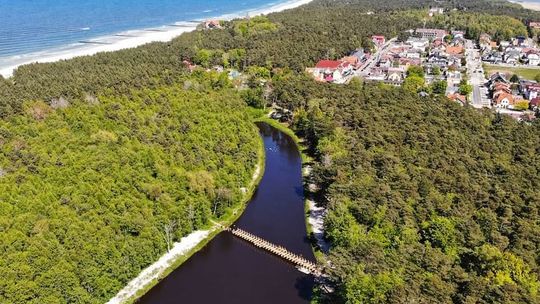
point(37, 26)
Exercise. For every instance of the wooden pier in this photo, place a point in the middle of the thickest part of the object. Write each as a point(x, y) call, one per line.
point(301, 263)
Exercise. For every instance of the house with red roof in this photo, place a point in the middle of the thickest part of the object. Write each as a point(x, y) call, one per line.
point(532, 91)
point(378, 40)
point(461, 99)
point(336, 71)
point(534, 104)
point(190, 66)
point(353, 60)
point(501, 87)
point(212, 24)
point(456, 50)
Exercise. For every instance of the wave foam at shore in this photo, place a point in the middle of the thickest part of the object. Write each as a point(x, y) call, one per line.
point(535, 6)
point(128, 39)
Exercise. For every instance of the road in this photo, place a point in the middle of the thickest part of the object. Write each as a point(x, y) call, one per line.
point(372, 61)
point(475, 73)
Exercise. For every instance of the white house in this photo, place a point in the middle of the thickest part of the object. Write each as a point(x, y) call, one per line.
point(453, 78)
point(436, 11)
point(419, 44)
point(533, 59)
point(331, 70)
point(412, 54)
point(395, 76)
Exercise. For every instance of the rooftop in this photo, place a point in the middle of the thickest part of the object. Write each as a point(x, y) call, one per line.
point(332, 64)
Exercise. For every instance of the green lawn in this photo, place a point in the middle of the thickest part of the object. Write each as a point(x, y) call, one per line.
point(524, 72)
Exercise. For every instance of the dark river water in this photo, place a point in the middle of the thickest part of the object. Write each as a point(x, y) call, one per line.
point(229, 270)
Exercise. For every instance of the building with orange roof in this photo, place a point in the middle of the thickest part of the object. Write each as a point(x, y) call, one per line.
point(455, 50)
point(504, 87)
point(504, 100)
point(353, 60)
point(462, 99)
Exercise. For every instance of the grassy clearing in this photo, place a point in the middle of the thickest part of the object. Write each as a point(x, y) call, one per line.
point(524, 72)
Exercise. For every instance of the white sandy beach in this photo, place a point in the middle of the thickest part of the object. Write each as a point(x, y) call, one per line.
point(535, 6)
point(127, 39)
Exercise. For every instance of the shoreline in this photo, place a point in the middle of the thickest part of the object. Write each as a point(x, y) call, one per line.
point(187, 246)
point(129, 39)
point(314, 214)
point(155, 271)
point(535, 6)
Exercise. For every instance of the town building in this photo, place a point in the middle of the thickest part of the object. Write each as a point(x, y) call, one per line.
point(533, 59)
point(534, 25)
point(458, 34)
point(212, 24)
point(534, 104)
point(453, 79)
point(461, 99)
point(331, 71)
point(378, 40)
point(504, 100)
point(435, 11)
point(431, 34)
point(532, 91)
point(419, 44)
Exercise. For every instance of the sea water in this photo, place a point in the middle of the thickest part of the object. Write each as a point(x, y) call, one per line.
point(35, 25)
point(47, 30)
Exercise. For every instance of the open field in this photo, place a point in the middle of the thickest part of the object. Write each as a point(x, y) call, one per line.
point(522, 71)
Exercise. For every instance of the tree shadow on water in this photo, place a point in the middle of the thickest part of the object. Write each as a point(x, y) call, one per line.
point(304, 286)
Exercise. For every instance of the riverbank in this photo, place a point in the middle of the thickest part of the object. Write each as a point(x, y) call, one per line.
point(221, 270)
point(128, 39)
point(302, 148)
point(154, 272)
point(315, 219)
point(314, 214)
point(188, 245)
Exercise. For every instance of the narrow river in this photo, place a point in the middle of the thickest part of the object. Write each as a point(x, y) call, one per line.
point(229, 270)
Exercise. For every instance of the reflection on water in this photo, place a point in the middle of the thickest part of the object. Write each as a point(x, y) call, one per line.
point(229, 270)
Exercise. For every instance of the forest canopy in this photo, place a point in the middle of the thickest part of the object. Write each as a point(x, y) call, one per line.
point(87, 190)
point(429, 201)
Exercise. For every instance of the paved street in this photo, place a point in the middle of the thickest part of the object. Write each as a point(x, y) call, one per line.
point(370, 63)
point(475, 73)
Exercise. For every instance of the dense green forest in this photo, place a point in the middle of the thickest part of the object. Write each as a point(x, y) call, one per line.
point(429, 202)
point(89, 191)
